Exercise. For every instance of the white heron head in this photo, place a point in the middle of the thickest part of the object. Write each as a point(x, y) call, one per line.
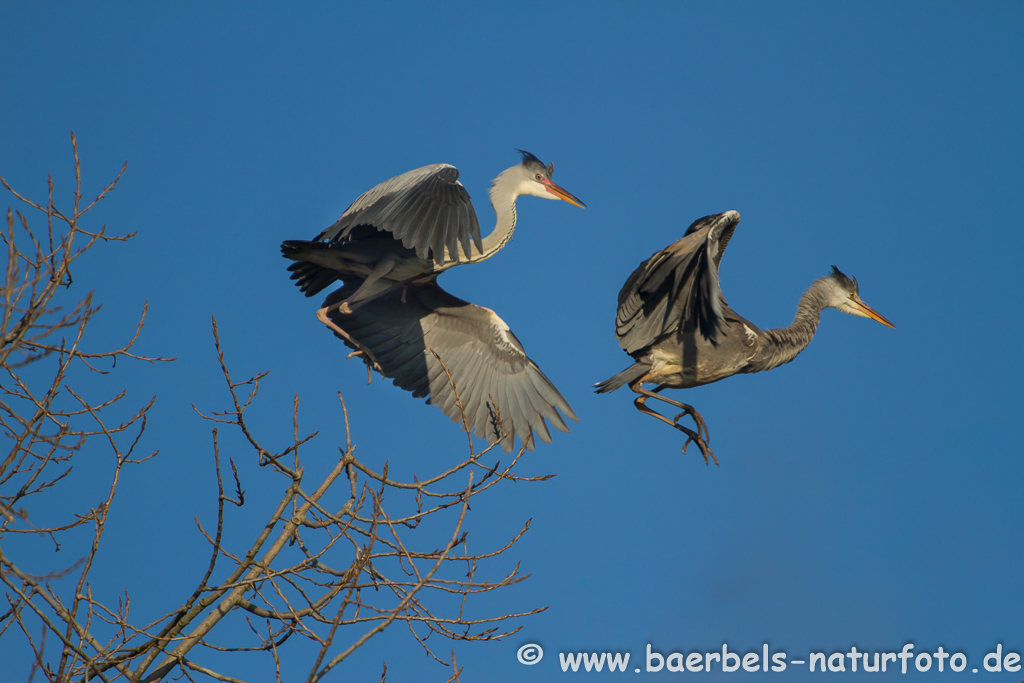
point(844, 296)
point(531, 177)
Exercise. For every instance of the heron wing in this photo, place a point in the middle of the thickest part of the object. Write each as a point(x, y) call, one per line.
point(487, 363)
point(426, 209)
point(727, 225)
point(677, 287)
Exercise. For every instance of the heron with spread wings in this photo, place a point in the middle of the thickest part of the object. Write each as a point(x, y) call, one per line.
point(388, 248)
point(674, 321)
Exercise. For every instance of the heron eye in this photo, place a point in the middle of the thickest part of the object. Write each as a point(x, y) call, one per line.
point(539, 176)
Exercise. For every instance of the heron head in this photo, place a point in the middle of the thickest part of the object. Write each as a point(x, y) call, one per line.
point(845, 297)
point(535, 179)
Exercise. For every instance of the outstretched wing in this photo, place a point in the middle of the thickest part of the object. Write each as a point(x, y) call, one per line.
point(678, 286)
point(488, 365)
point(426, 209)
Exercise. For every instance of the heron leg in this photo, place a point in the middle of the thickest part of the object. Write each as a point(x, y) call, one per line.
point(359, 297)
point(698, 419)
point(700, 437)
point(361, 351)
point(345, 307)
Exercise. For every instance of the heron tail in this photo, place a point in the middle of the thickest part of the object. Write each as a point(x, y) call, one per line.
point(630, 374)
point(309, 277)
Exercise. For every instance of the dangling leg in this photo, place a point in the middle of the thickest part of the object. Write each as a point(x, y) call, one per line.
point(698, 419)
point(360, 351)
point(371, 288)
point(370, 362)
point(364, 293)
point(700, 437)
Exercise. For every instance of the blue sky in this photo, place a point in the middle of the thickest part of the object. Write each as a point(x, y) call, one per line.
point(869, 493)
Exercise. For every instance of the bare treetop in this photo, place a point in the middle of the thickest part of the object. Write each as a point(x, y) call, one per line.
point(331, 576)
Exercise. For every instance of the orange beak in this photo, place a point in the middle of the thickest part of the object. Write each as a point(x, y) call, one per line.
point(873, 314)
point(556, 190)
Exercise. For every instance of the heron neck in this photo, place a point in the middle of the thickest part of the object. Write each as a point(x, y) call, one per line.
point(781, 345)
point(503, 200)
point(503, 227)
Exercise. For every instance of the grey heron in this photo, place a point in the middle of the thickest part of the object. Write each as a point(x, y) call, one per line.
point(674, 321)
point(388, 248)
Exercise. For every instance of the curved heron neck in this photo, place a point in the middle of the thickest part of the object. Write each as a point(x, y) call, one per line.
point(503, 199)
point(783, 344)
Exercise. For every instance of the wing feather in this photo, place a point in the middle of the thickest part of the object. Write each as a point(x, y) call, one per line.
point(486, 360)
point(474, 386)
point(677, 287)
point(426, 209)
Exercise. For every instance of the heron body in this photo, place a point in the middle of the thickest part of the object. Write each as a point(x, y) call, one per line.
point(674, 321)
point(388, 248)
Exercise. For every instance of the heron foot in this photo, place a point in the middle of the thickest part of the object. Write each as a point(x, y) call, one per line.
point(698, 421)
point(371, 363)
point(701, 437)
point(702, 444)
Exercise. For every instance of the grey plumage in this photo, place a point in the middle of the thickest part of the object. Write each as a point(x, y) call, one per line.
point(426, 209)
point(388, 248)
point(677, 284)
point(488, 364)
point(421, 217)
point(674, 321)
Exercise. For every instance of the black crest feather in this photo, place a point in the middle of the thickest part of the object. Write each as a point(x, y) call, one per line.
point(850, 283)
point(530, 160)
point(529, 157)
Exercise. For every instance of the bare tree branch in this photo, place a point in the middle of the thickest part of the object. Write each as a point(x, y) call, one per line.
point(392, 552)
